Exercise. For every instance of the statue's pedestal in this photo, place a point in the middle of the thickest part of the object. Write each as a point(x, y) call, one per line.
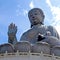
point(27, 56)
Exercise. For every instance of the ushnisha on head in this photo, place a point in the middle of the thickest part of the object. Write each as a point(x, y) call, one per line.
point(36, 16)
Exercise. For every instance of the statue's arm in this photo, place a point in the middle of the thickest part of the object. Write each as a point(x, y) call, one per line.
point(53, 32)
point(23, 37)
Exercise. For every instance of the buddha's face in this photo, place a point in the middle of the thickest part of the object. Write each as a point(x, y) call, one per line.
point(35, 17)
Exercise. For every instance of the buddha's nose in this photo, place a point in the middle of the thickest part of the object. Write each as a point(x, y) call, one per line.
point(33, 17)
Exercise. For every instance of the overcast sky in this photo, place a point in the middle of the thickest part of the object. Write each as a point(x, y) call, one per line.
point(16, 11)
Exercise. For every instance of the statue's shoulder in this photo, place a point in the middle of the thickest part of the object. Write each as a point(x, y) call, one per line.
point(50, 28)
point(53, 31)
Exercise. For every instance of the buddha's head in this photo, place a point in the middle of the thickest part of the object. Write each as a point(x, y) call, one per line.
point(36, 16)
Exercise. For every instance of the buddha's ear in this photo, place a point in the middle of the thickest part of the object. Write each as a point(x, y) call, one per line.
point(31, 26)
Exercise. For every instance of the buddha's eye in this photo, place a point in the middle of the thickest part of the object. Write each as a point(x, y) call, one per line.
point(30, 14)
